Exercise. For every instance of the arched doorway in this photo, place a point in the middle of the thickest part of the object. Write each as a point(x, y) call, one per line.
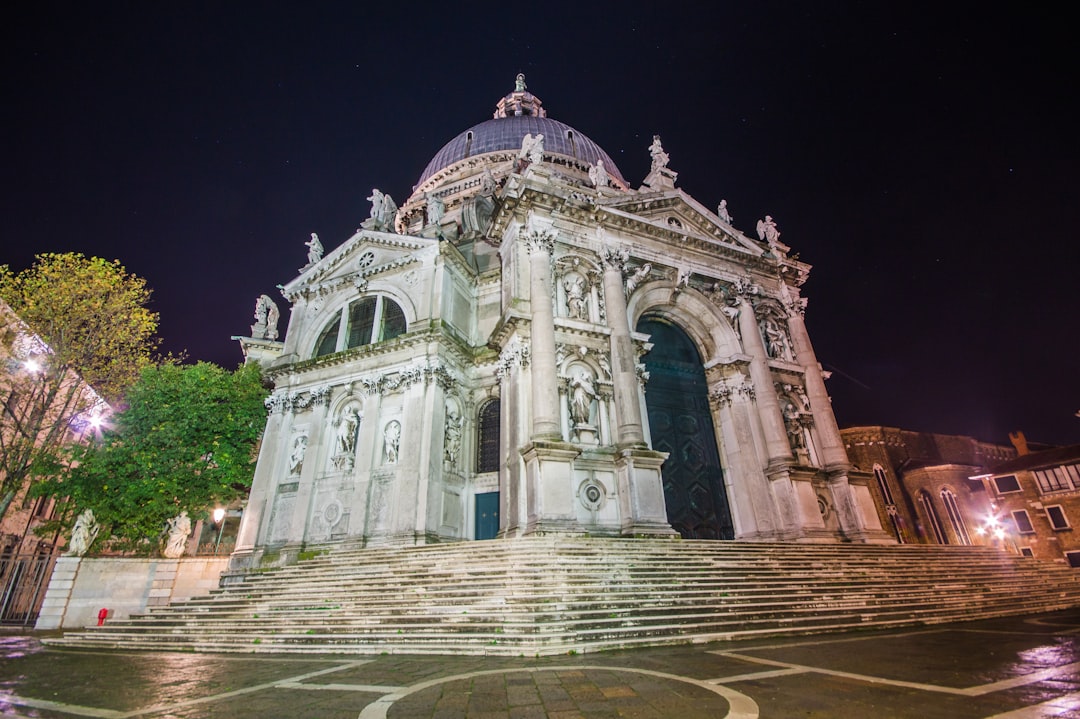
point(677, 399)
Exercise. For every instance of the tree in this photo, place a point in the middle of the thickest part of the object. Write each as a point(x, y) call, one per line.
point(185, 442)
point(76, 332)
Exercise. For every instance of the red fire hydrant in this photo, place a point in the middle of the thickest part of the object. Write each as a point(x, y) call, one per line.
point(102, 616)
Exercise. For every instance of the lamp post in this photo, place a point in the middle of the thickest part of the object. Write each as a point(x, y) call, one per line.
point(219, 520)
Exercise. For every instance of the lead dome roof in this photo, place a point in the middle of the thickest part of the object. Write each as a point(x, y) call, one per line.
point(516, 115)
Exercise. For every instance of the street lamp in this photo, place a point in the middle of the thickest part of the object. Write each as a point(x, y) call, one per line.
point(219, 520)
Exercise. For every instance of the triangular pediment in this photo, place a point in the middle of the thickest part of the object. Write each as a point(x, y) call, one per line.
point(675, 211)
point(366, 254)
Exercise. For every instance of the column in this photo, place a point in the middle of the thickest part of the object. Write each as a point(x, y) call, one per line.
point(772, 419)
point(628, 430)
point(545, 393)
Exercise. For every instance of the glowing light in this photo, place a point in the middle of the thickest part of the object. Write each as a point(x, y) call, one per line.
point(980, 531)
point(219, 514)
point(96, 421)
point(32, 366)
point(999, 533)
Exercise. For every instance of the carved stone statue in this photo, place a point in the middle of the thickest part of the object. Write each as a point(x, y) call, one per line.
point(767, 231)
point(576, 304)
point(296, 458)
point(582, 394)
point(796, 438)
point(178, 529)
point(315, 249)
point(775, 341)
point(391, 440)
point(266, 319)
point(598, 175)
point(659, 157)
point(436, 208)
point(723, 214)
point(346, 434)
point(519, 82)
point(452, 438)
point(383, 210)
point(637, 278)
point(488, 184)
point(532, 148)
point(83, 533)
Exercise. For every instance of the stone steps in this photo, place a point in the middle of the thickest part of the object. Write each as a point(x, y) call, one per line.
point(551, 595)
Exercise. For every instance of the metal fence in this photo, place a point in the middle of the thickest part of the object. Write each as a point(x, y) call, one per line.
point(23, 580)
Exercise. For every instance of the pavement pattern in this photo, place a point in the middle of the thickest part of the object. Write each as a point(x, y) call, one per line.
point(1015, 668)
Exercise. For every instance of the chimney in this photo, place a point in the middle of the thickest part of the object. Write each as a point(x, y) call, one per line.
point(1020, 442)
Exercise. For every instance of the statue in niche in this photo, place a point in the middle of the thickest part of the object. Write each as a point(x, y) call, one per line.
point(582, 394)
point(452, 437)
point(83, 533)
point(775, 341)
point(315, 249)
point(177, 530)
point(346, 434)
point(532, 148)
point(723, 214)
point(436, 208)
point(637, 278)
point(598, 175)
point(296, 458)
point(266, 319)
point(659, 157)
point(767, 231)
point(796, 438)
point(391, 441)
point(577, 305)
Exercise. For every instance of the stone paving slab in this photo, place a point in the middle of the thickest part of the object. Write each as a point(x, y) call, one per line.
point(1016, 668)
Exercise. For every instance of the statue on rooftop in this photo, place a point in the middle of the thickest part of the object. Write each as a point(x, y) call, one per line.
point(767, 231)
point(723, 214)
point(598, 175)
point(659, 157)
point(315, 249)
point(436, 208)
point(519, 82)
point(532, 148)
point(266, 319)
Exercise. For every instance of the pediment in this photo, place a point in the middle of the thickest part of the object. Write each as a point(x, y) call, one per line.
point(365, 255)
point(675, 211)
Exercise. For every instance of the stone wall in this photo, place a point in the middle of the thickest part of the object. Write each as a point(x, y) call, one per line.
point(81, 587)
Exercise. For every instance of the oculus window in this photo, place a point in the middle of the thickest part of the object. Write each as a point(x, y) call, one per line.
point(366, 321)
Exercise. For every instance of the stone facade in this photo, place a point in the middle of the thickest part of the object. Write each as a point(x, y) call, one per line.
point(518, 272)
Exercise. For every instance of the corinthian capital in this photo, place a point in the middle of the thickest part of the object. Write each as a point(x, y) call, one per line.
point(538, 241)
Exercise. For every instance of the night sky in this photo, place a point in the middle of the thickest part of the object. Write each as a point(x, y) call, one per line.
point(923, 158)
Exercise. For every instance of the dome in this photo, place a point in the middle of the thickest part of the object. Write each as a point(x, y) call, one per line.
point(518, 114)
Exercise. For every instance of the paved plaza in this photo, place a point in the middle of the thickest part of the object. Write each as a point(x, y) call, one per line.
point(1017, 668)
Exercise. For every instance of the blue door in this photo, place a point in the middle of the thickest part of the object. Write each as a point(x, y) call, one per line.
point(487, 515)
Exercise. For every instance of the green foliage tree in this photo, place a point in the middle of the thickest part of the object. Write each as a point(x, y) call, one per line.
point(185, 442)
point(71, 324)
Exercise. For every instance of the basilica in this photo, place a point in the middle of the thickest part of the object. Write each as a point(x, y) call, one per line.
point(531, 344)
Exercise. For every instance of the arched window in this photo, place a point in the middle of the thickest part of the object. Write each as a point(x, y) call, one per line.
point(366, 321)
point(932, 518)
point(955, 518)
point(487, 438)
point(883, 484)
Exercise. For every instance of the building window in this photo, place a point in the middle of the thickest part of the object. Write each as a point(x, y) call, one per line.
point(1052, 480)
point(955, 518)
point(1029, 552)
point(1073, 558)
point(366, 321)
point(932, 518)
point(1057, 518)
point(883, 484)
point(1023, 521)
point(487, 440)
point(1073, 471)
point(1007, 484)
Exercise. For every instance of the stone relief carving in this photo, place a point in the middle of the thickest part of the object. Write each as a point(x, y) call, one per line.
point(299, 401)
point(515, 354)
point(399, 380)
point(266, 319)
point(538, 240)
point(636, 277)
point(391, 441)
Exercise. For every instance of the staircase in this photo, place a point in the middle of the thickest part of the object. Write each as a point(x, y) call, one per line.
point(553, 595)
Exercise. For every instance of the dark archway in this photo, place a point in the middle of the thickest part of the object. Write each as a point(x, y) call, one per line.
point(677, 398)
